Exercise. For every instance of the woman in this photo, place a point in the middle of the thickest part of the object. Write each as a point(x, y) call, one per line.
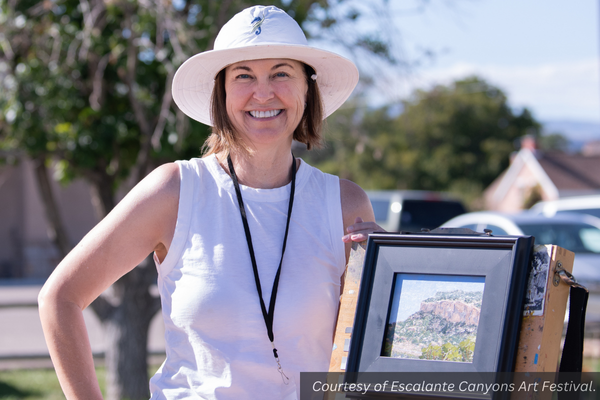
point(232, 232)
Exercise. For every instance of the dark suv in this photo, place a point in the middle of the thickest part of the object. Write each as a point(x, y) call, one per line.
point(413, 210)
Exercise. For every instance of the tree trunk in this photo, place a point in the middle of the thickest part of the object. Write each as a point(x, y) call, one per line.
point(56, 228)
point(126, 330)
point(102, 194)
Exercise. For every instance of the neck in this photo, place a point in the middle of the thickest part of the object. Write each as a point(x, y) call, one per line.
point(260, 171)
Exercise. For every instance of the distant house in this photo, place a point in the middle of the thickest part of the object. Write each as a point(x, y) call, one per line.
point(26, 250)
point(535, 175)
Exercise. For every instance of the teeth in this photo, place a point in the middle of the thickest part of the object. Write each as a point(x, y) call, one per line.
point(265, 114)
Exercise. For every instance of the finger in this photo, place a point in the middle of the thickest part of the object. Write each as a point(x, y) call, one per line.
point(364, 229)
point(361, 232)
point(358, 221)
point(355, 237)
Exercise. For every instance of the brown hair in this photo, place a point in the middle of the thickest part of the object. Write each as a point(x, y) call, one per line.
point(223, 135)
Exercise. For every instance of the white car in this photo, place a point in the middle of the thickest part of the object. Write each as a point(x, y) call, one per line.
point(579, 233)
point(581, 204)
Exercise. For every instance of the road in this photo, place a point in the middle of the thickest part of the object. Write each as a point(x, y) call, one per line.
point(22, 342)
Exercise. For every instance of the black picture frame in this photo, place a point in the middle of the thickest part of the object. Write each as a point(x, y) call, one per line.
point(501, 262)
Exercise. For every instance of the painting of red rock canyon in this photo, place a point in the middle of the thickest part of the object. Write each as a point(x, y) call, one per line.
point(434, 317)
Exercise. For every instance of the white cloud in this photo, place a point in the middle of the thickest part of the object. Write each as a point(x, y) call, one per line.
point(565, 90)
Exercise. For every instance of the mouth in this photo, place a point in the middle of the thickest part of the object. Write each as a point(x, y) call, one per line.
point(265, 114)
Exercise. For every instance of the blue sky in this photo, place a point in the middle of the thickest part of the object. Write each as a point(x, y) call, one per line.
point(542, 53)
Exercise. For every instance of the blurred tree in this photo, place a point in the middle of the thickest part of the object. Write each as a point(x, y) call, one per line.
point(454, 138)
point(554, 141)
point(349, 152)
point(534, 196)
point(87, 84)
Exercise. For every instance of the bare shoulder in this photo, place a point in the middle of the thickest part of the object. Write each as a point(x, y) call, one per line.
point(158, 195)
point(158, 191)
point(355, 202)
point(163, 181)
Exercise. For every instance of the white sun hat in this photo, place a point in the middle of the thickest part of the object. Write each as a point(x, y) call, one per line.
point(260, 32)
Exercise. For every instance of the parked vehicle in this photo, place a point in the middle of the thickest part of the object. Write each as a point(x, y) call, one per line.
point(579, 233)
point(583, 204)
point(413, 210)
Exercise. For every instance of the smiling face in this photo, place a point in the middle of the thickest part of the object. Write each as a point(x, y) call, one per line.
point(265, 99)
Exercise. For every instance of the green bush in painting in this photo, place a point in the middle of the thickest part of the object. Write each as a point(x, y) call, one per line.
point(450, 352)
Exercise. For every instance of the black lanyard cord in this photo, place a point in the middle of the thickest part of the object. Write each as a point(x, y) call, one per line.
point(268, 316)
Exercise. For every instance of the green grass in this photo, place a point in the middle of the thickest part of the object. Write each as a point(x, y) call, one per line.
point(36, 384)
point(591, 364)
point(30, 384)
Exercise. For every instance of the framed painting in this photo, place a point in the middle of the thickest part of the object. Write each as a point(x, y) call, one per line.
point(439, 303)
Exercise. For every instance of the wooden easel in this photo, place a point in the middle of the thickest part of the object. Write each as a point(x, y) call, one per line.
point(542, 327)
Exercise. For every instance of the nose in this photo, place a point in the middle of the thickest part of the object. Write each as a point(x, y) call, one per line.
point(263, 90)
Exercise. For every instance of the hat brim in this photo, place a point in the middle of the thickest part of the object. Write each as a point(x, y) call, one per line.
point(194, 80)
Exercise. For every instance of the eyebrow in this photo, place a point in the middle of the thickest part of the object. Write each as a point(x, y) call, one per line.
point(284, 64)
point(245, 68)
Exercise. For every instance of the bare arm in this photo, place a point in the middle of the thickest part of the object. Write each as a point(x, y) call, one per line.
point(357, 211)
point(144, 221)
point(358, 216)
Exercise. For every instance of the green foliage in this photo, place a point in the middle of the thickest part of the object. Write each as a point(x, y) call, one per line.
point(86, 85)
point(424, 329)
point(553, 141)
point(535, 195)
point(450, 352)
point(455, 138)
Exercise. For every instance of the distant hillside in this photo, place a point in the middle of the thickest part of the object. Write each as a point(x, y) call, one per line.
point(578, 132)
point(466, 297)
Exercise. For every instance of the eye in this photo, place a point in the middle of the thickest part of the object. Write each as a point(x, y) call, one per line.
point(243, 76)
point(281, 75)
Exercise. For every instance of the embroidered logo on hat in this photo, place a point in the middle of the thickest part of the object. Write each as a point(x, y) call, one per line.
point(256, 23)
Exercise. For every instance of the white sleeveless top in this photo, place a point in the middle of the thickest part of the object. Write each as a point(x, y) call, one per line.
point(216, 339)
